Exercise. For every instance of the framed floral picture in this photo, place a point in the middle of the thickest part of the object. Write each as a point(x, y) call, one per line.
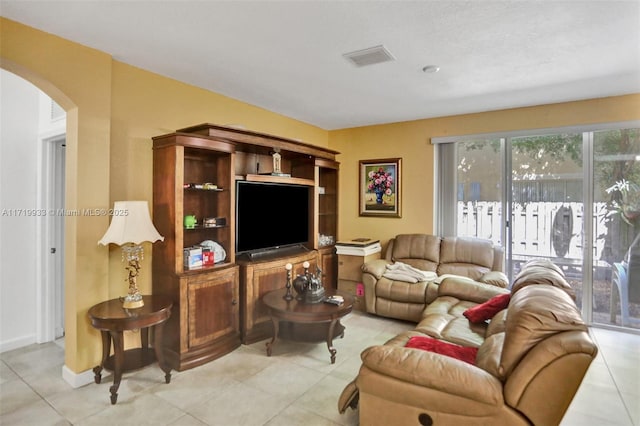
point(380, 193)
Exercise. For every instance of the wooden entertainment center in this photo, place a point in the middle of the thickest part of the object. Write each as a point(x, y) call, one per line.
point(217, 307)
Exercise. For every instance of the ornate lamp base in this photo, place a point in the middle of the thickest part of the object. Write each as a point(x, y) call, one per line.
point(133, 302)
point(133, 254)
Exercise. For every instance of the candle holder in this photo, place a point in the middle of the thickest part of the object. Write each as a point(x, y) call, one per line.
point(288, 295)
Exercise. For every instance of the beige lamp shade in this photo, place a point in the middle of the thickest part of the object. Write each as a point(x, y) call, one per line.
point(131, 223)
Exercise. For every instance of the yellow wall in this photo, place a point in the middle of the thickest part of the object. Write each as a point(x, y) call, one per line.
point(411, 141)
point(146, 105)
point(113, 110)
point(78, 79)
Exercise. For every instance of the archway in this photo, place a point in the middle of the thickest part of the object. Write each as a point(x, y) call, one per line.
point(32, 188)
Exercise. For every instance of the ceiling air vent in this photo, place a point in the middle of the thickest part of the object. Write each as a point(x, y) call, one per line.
point(370, 56)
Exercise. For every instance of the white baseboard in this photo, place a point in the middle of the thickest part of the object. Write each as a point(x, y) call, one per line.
point(9, 345)
point(77, 380)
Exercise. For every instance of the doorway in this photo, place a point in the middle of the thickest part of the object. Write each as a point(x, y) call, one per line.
point(55, 227)
point(51, 203)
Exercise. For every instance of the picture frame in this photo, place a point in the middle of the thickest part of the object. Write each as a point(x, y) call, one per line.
point(380, 187)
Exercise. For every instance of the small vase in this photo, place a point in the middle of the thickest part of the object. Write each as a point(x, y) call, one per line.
point(300, 286)
point(379, 195)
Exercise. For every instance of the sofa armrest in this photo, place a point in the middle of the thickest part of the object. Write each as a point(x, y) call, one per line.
point(375, 267)
point(466, 289)
point(497, 278)
point(435, 371)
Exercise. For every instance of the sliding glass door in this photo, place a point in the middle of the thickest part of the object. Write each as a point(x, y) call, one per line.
point(573, 198)
point(479, 189)
point(546, 202)
point(616, 207)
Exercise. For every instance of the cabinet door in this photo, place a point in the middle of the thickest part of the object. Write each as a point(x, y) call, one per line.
point(258, 280)
point(213, 306)
point(329, 264)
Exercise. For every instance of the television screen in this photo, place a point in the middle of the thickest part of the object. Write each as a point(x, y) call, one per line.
point(270, 215)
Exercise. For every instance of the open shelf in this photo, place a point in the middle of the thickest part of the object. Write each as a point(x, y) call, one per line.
point(279, 179)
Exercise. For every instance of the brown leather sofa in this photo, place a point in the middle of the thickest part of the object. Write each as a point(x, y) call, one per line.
point(475, 258)
point(531, 359)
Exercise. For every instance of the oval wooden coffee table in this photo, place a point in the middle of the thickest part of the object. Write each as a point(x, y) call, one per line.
point(324, 319)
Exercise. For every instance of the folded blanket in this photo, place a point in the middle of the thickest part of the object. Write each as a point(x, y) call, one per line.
point(402, 272)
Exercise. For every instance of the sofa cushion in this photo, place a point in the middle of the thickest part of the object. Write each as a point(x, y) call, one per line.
point(545, 263)
point(401, 291)
point(399, 310)
point(467, 289)
point(489, 354)
point(400, 271)
point(474, 272)
point(537, 275)
point(497, 323)
point(421, 251)
point(535, 313)
point(497, 278)
point(485, 311)
point(472, 257)
point(443, 320)
point(463, 353)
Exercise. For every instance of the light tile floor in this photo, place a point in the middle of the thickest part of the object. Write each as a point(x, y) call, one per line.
point(296, 386)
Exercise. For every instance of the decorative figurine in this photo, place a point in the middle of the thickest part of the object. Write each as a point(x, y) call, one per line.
point(277, 162)
point(308, 286)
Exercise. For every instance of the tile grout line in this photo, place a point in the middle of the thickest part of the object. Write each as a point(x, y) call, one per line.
point(615, 383)
point(40, 396)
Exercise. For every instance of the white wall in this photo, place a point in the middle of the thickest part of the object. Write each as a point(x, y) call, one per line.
point(19, 105)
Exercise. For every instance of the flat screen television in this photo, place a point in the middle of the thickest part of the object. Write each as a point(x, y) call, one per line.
point(271, 216)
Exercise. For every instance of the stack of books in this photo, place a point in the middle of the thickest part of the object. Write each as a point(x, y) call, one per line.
point(358, 247)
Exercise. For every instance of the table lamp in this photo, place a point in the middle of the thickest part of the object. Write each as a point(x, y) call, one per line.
point(130, 227)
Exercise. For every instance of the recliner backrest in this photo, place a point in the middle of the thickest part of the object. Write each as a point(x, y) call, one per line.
point(466, 256)
point(545, 381)
point(421, 251)
point(545, 354)
point(536, 312)
point(541, 272)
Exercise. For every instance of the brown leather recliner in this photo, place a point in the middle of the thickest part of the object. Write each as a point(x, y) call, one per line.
point(527, 370)
point(475, 258)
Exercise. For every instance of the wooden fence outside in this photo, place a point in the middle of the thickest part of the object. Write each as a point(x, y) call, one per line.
point(542, 229)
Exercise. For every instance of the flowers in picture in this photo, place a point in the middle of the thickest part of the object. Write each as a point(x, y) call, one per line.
point(380, 181)
point(380, 187)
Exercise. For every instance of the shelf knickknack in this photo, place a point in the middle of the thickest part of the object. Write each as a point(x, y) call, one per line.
point(308, 286)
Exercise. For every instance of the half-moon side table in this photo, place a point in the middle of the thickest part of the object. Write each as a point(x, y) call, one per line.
point(112, 320)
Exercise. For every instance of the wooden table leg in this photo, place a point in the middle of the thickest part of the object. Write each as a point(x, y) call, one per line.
point(106, 350)
point(118, 349)
point(276, 329)
point(332, 350)
point(144, 338)
point(157, 342)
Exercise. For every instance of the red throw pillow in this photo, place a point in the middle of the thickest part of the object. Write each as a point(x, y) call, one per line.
point(463, 353)
point(488, 309)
